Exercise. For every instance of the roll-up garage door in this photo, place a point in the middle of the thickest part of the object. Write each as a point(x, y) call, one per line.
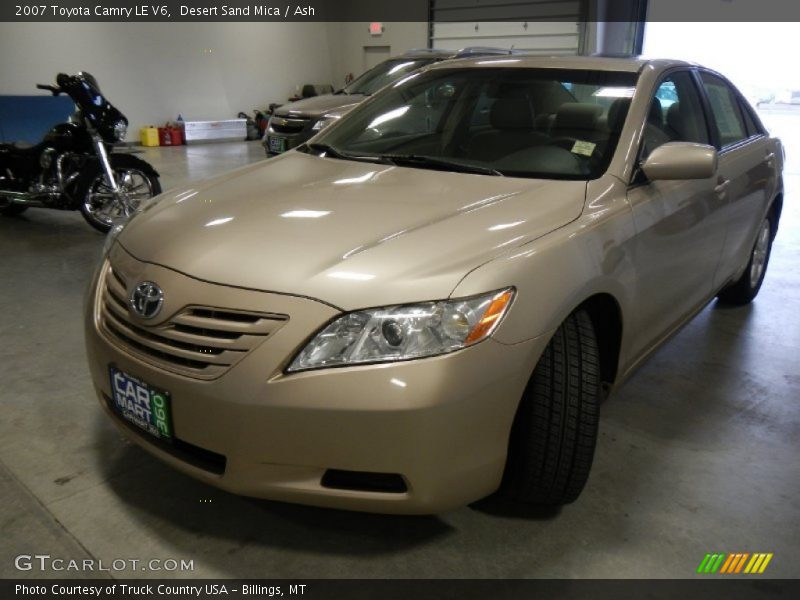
point(540, 26)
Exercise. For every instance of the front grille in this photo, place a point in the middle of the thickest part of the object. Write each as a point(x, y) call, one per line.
point(288, 125)
point(198, 341)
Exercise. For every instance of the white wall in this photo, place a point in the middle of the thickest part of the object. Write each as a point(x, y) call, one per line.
point(153, 71)
point(348, 40)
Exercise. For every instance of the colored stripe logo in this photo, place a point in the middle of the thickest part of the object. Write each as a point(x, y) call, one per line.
point(734, 563)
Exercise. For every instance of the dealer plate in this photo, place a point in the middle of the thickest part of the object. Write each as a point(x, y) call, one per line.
point(277, 144)
point(140, 403)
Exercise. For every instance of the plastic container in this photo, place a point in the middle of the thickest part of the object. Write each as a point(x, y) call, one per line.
point(176, 135)
point(148, 136)
point(181, 125)
point(164, 136)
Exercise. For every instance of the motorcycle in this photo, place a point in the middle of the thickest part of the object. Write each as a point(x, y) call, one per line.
point(73, 167)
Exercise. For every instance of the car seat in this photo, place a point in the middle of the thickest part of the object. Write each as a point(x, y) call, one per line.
point(512, 129)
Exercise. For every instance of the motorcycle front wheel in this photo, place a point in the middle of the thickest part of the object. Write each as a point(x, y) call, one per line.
point(100, 206)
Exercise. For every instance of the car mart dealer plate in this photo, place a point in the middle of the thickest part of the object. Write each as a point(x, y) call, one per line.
point(276, 143)
point(140, 403)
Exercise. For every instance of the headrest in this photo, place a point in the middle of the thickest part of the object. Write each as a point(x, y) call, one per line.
point(675, 117)
point(656, 114)
point(577, 115)
point(511, 113)
point(617, 113)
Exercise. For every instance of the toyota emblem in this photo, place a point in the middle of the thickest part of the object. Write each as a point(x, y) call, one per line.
point(146, 299)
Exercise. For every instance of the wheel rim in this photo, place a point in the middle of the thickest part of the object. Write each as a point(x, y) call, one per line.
point(759, 259)
point(107, 207)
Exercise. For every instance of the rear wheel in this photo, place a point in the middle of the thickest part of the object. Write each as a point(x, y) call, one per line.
point(744, 289)
point(100, 206)
point(555, 430)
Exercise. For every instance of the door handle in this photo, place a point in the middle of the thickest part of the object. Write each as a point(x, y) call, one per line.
point(770, 158)
point(722, 186)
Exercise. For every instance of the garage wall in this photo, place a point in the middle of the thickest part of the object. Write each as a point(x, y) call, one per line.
point(153, 71)
point(349, 39)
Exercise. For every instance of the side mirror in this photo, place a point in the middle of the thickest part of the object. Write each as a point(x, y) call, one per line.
point(681, 160)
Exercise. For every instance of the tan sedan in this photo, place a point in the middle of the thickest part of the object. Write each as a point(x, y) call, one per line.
point(426, 303)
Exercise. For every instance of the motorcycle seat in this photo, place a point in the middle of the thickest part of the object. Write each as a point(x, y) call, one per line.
point(20, 149)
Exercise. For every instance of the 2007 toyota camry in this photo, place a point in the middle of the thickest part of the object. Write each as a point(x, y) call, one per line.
point(426, 303)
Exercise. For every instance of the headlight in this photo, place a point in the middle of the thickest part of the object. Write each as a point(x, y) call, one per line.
point(323, 123)
point(120, 130)
point(404, 332)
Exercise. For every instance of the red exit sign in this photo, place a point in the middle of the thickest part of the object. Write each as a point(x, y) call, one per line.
point(376, 28)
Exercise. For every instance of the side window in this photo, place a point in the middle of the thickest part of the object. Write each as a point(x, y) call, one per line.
point(676, 114)
point(752, 128)
point(725, 109)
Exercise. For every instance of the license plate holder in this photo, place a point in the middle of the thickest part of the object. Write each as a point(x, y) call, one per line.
point(277, 144)
point(143, 405)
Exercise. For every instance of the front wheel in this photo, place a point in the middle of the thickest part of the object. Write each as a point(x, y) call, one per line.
point(745, 289)
point(136, 182)
point(555, 430)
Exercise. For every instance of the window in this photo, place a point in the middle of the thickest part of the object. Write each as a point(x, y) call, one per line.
point(752, 127)
point(544, 123)
point(383, 74)
point(725, 110)
point(676, 114)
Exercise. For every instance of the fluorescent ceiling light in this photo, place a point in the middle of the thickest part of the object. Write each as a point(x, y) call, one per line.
point(221, 221)
point(305, 214)
point(350, 275)
point(392, 114)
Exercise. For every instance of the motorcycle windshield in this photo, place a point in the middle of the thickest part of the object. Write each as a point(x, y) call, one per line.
point(94, 106)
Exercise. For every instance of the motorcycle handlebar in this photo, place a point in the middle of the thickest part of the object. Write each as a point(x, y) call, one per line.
point(52, 89)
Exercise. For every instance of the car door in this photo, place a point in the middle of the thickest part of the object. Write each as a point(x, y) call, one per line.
point(746, 175)
point(679, 228)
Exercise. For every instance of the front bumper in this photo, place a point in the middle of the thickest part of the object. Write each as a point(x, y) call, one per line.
point(442, 423)
point(277, 142)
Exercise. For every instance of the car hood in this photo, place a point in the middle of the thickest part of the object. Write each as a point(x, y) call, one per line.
point(318, 106)
point(351, 234)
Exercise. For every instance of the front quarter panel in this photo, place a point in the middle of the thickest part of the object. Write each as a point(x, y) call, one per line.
point(556, 273)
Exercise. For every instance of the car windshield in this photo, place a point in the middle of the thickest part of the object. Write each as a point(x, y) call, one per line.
point(384, 74)
point(545, 123)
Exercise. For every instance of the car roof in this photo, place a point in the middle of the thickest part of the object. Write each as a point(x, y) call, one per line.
point(440, 54)
point(632, 64)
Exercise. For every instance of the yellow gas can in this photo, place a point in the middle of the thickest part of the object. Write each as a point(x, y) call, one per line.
point(148, 136)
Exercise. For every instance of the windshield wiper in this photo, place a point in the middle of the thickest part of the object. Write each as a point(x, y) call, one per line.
point(419, 160)
point(331, 152)
point(326, 149)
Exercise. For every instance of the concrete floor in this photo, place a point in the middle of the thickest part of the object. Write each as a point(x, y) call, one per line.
point(698, 452)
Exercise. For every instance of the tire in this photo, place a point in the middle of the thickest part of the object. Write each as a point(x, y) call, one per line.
point(745, 289)
point(555, 430)
point(12, 210)
point(97, 203)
